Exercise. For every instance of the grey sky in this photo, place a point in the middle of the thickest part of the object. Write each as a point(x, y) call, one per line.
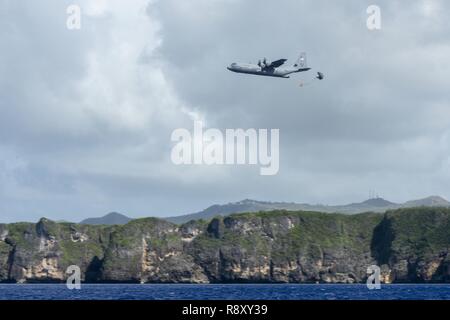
point(86, 115)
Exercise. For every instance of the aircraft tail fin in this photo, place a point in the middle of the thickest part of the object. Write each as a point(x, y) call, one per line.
point(301, 62)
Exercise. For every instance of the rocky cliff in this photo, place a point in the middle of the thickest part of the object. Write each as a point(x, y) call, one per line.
point(410, 245)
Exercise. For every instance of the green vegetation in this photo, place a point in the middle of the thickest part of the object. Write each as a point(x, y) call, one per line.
point(262, 246)
point(420, 231)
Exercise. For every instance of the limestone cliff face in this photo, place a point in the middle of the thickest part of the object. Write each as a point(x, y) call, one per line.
point(42, 252)
point(410, 245)
point(152, 250)
point(287, 247)
point(413, 245)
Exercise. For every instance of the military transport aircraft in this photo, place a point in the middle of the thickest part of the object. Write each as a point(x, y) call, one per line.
point(273, 69)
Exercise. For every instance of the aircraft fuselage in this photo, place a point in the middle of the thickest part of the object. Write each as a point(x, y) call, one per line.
point(268, 72)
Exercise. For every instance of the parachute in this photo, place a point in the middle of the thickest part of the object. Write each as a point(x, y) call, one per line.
point(319, 76)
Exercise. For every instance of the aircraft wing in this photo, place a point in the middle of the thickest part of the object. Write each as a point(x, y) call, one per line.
point(277, 63)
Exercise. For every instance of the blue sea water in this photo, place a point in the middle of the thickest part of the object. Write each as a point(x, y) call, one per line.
point(222, 292)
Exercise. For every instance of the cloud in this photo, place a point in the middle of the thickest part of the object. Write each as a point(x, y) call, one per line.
point(87, 115)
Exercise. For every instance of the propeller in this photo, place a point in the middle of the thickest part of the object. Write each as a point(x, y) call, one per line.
point(265, 64)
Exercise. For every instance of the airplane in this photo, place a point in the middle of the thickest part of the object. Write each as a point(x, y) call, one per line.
point(273, 69)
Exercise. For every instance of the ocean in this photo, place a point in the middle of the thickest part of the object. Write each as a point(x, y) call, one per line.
point(223, 292)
